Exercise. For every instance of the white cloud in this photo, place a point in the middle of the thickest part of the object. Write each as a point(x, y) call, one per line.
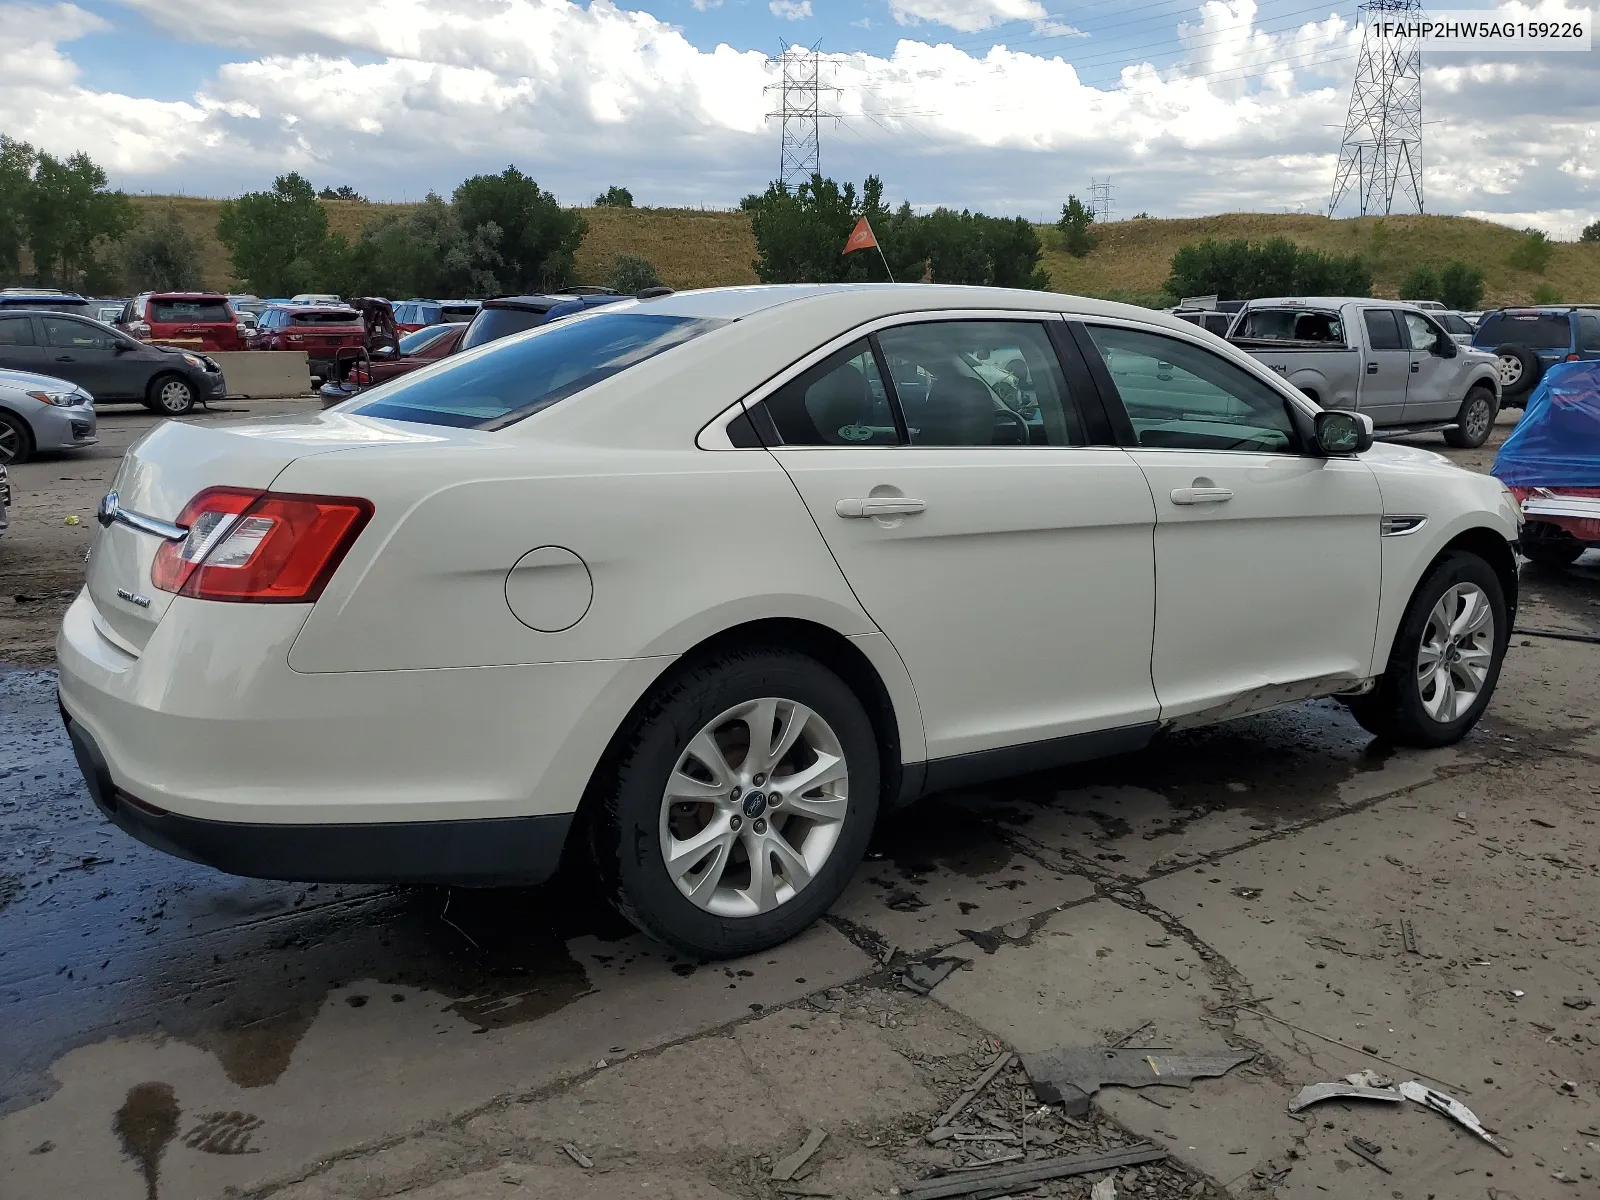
point(1053, 28)
point(1563, 224)
point(790, 10)
point(966, 15)
point(705, 5)
point(399, 96)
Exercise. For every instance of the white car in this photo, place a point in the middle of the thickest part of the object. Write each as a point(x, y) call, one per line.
point(701, 585)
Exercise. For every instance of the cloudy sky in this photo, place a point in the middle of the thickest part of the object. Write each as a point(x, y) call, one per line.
point(1004, 105)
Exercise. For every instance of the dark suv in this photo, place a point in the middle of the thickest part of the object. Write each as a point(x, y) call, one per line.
point(107, 363)
point(512, 314)
point(1528, 340)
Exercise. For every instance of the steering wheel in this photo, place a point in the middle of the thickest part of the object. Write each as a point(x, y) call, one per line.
point(1027, 435)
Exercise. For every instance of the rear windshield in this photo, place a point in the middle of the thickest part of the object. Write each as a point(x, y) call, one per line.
point(497, 386)
point(459, 314)
point(326, 318)
point(1287, 325)
point(214, 312)
point(492, 323)
point(1541, 331)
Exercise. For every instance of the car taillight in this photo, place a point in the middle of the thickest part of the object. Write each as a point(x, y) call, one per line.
point(139, 329)
point(1573, 358)
point(295, 337)
point(259, 547)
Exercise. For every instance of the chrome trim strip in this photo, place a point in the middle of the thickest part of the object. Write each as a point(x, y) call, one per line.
point(1562, 506)
point(111, 513)
point(1401, 524)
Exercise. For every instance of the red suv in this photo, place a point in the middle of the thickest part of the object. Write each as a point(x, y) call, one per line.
point(191, 320)
point(321, 330)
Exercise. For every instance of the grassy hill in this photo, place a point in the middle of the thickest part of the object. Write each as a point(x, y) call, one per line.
point(702, 249)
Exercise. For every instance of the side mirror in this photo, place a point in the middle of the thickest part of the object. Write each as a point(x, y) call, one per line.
point(124, 347)
point(1446, 346)
point(1338, 433)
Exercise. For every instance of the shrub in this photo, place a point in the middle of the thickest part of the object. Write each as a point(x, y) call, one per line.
point(1077, 239)
point(1461, 287)
point(1532, 251)
point(1547, 293)
point(633, 273)
point(1420, 283)
point(614, 197)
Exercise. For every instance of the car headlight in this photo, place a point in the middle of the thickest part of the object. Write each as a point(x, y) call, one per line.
point(194, 360)
point(66, 399)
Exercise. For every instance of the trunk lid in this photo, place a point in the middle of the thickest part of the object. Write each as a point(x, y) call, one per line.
point(166, 469)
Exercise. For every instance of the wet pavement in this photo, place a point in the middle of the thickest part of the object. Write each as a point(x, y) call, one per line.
point(168, 1031)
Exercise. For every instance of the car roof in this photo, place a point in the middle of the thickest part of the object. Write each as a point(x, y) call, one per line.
point(1556, 310)
point(189, 295)
point(1325, 301)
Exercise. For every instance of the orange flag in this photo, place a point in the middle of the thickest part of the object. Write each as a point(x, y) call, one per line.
point(860, 238)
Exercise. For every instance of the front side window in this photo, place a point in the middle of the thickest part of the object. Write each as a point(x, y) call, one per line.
point(980, 383)
point(1383, 331)
point(1182, 397)
point(17, 331)
point(839, 402)
point(502, 384)
point(66, 334)
point(1424, 334)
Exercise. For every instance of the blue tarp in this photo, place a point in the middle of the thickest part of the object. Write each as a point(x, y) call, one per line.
point(1557, 442)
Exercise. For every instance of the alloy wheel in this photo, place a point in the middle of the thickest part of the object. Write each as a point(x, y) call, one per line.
point(1480, 415)
point(1456, 653)
point(175, 396)
point(10, 442)
point(754, 807)
point(1509, 368)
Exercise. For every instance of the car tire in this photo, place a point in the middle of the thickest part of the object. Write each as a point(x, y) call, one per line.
point(1554, 549)
point(1519, 369)
point(1409, 706)
point(670, 751)
point(16, 440)
point(170, 395)
point(1475, 421)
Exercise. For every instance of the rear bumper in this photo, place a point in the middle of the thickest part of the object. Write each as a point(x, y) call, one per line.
point(485, 853)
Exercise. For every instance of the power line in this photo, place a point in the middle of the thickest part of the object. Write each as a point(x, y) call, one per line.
point(799, 113)
point(1381, 151)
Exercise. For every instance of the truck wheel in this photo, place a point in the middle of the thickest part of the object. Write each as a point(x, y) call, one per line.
point(1474, 421)
point(1519, 368)
point(1445, 659)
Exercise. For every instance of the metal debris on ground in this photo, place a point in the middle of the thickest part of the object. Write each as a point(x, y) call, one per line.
point(1578, 1002)
point(1368, 1151)
point(1408, 935)
point(923, 977)
point(1026, 1175)
point(1316, 1093)
point(1452, 1108)
point(1369, 1078)
point(785, 1169)
point(1070, 1077)
point(1106, 1189)
point(1001, 1061)
point(577, 1156)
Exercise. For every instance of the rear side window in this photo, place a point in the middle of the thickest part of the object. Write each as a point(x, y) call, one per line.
point(1542, 331)
point(200, 312)
point(1287, 325)
point(1589, 332)
point(1383, 331)
point(493, 323)
point(497, 387)
point(17, 331)
point(839, 402)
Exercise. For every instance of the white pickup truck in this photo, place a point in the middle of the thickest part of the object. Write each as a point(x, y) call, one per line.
point(1391, 361)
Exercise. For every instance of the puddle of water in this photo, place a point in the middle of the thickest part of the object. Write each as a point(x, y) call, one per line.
point(145, 1124)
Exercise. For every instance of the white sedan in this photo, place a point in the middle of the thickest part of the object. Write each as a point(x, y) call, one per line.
point(698, 586)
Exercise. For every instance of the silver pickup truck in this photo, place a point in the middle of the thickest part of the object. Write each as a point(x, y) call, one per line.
point(1391, 361)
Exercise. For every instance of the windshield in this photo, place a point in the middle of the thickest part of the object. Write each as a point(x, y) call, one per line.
point(1542, 331)
point(1453, 323)
point(500, 385)
point(492, 323)
point(214, 312)
point(420, 339)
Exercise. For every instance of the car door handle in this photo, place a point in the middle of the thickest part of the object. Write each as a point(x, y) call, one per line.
point(880, 506)
point(65, 358)
point(1415, 367)
point(1372, 368)
point(1201, 495)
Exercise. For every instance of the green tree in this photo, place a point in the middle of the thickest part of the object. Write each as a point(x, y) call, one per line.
point(343, 192)
point(1245, 270)
point(1591, 232)
point(1532, 251)
point(1013, 250)
point(277, 240)
point(633, 273)
point(1461, 287)
point(614, 197)
point(1077, 238)
point(72, 218)
point(535, 237)
point(1421, 283)
point(16, 190)
point(424, 253)
point(160, 255)
point(1547, 293)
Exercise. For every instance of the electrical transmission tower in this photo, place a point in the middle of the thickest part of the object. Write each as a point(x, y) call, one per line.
point(1382, 148)
point(1100, 199)
point(800, 112)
